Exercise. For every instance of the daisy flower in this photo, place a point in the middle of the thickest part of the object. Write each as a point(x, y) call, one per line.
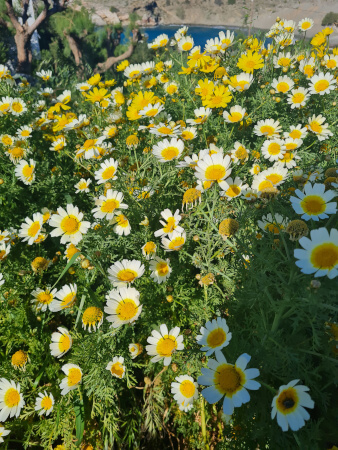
point(4, 250)
point(239, 154)
point(64, 298)
point(5, 105)
point(73, 378)
point(305, 24)
point(189, 133)
point(83, 87)
point(321, 129)
point(3, 432)
point(160, 269)
point(17, 107)
point(213, 168)
point(185, 44)
point(170, 223)
point(44, 403)
point(232, 188)
point(82, 185)
point(282, 60)
point(107, 171)
point(185, 390)
point(30, 229)
point(19, 360)
point(92, 317)
point(5, 236)
point(116, 367)
point(273, 149)
point(322, 84)
point(122, 226)
point(61, 342)
point(319, 255)
point(25, 171)
point(126, 271)
point(226, 39)
point(133, 72)
point(201, 115)
point(44, 74)
point(269, 128)
point(123, 306)
point(110, 131)
point(241, 82)
point(107, 205)
point(7, 140)
point(214, 336)
point(58, 145)
point(135, 350)
point(164, 343)
point(331, 61)
point(69, 224)
point(289, 159)
point(151, 110)
point(70, 251)
point(298, 97)
point(313, 203)
point(289, 405)
point(11, 399)
point(171, 87)
point(307, 67)
point(236, 114)
point(282, 84)
point(273, 224)
point(174, 241)
point(43, 298)
point(168, 150)
point(149, 249)
point(268, 178)
point(229, 380)
point(24, 132)
point(296, 132)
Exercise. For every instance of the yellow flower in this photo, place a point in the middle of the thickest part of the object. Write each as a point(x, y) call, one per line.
point(94, 80)
point(220, 97)
point(123, 65)
point(96, 95)
point(318, 39)
point(250, 61)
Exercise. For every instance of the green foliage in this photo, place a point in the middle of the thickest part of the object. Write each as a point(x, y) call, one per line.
point(330, 18)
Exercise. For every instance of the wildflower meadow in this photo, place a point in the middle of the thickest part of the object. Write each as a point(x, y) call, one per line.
point(169, 249)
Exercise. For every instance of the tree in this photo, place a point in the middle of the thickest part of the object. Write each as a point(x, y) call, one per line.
point(24, 31)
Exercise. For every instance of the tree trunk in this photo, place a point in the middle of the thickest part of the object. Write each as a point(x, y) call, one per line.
point(77, 53)
point(22, 42)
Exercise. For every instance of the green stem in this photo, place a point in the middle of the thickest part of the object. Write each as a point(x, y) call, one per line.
point(203, 423)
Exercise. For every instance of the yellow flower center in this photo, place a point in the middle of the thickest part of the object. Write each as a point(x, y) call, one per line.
point(295, 134)
point(169, 153)
point(46, 403)
point(17, 106)
point(264, 185)
point(316, 127)
point(2, 254)
point(165, 130)
point(162, 269)
point(331, 64)
point(74, 376)
point(34, 229)
point(68, 300)
point(170, 225)
point(284, 62)
point(152, 112)
point(288, 156)
point(321, 85)
point(241, 152)
point(172, 89)
point(44, 297)
point(191, 195)
point(4, 107)
point(187, 46)
point(177, 243)
point(166, 346)
point(233, 190)
point(25, 133)
point(228, 379)
point(287, 401)
point(122, 220)
point(235, 117)
point(108, 173)
point(127, 275)
point(215, 172)
point(305, 25)
point(117, 369)
point(325, 256)
point(71, 250)
point(64, 343)
point(313, 205)
point(92, 315)
point(12, 398)
point(27, 171)
point(283, 87)
point(187, 135)
point(274, 148)
point(298, 98)
point(250, 63)
point(149, 247)
point(127, 309)
point(216, 338)
point(187, 388)
point(274, 178)
point(17, 152)
point(108, 206)
point(19, 358)
point(70, 224)
point(272, 228)
point(267, 130)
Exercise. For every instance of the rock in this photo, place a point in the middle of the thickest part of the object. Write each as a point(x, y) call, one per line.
point(97, 20)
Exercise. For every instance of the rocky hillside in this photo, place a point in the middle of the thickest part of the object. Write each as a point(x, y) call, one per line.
point(261, 13)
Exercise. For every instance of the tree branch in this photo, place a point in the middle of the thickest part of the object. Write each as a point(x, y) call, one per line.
point(58, 6)
point(103, 67)
point(11, 14)
point(25, 11)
